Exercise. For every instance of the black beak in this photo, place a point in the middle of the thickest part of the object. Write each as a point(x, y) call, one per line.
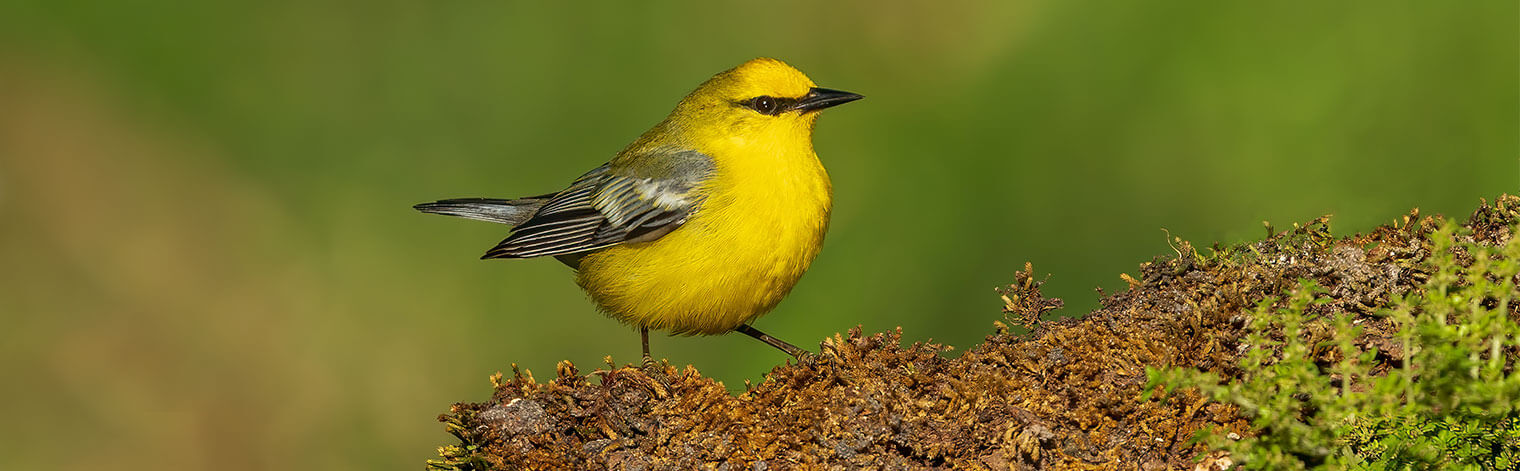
point(820, 98)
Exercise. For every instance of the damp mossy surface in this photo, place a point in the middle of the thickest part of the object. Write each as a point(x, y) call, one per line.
point(1065, 394)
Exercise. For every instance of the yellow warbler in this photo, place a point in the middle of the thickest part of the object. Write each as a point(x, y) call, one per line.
point(702, 224)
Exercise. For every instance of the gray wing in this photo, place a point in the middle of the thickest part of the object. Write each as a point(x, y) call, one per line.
point(613, 205)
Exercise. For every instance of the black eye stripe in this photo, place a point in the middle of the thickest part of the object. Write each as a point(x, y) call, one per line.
point(769, 105)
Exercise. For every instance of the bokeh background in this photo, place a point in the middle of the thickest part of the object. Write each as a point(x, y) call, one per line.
point(209, 259)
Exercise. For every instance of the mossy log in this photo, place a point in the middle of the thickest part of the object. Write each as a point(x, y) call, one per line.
point(1063, 395)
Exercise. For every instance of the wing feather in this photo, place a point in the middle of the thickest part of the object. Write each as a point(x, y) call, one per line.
point(613, 204)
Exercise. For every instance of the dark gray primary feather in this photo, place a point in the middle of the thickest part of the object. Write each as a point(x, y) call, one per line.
point(509, 212)
point(611, 205)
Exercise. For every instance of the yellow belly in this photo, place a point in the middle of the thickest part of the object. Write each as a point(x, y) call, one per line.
point(732, 261)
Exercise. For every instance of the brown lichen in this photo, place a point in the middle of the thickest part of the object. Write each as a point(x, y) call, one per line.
point(1064, 396)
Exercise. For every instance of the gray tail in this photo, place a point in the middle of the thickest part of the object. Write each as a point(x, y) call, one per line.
point(509, 212)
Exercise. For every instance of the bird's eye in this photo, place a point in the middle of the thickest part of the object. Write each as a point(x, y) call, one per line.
point(764, 104)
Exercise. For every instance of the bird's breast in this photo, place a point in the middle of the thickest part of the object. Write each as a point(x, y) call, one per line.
point(773, 216)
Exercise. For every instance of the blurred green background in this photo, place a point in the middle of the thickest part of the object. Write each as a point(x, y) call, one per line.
point(210, 261)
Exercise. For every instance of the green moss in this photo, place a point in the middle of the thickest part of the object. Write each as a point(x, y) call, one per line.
point(1446, 400)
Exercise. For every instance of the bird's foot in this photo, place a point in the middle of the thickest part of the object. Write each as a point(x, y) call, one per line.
point(790, 349)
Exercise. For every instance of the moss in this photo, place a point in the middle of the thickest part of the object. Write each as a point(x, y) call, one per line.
point(1065, 395)
point(1444, 401)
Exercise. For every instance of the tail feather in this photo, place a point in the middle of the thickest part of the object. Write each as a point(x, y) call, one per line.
point(509, 212)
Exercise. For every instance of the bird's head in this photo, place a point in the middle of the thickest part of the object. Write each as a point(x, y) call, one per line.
point(763, 99)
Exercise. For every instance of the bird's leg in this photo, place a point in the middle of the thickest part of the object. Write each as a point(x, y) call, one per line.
point(772, 341)
point(644, 334)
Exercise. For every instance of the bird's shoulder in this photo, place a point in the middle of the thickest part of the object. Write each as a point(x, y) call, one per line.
point(662, 163)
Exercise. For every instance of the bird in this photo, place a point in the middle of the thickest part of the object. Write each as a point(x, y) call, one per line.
point(702, 224)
